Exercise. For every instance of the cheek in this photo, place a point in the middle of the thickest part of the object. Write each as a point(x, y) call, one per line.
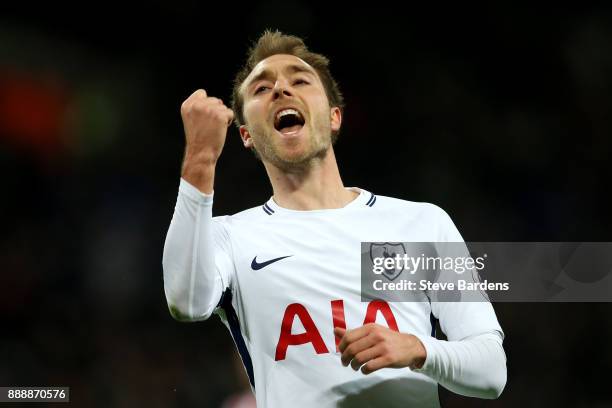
point(248, 115)
point(323, 109)
point(323, 117)
point(253, 112)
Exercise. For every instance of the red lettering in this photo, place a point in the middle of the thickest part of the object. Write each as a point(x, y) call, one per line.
point(311, 335)
point(379, 305)
point(337, 307)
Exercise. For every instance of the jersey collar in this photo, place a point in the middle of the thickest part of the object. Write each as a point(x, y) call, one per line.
point(364, 198)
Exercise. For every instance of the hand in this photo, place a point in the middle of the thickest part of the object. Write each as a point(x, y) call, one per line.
point(373, 347)
point(205, 120)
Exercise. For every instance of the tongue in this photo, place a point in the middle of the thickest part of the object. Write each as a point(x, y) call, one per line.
point(290, 129)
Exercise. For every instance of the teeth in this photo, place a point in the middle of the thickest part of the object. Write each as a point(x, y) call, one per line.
point(287, 112)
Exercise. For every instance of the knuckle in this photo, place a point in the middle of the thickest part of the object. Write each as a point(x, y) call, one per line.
point(188, 103)
point(218, 115)
point(197, 106)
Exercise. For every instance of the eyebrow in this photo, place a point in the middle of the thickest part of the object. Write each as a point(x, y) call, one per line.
point(266, 74)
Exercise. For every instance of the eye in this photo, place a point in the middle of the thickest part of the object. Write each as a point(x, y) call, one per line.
point(260, 89)
point(300, 81)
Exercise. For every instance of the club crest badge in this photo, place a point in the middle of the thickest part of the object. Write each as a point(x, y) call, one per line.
point(388, 250)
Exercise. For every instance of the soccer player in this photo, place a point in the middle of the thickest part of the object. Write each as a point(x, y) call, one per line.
point(284, 277)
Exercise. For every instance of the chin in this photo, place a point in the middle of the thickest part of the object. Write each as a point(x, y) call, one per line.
point(302, 157)
point(296, 157)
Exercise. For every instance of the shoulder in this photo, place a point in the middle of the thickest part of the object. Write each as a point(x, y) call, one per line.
point(430, 214)
point(406, 207)
point(260, 213)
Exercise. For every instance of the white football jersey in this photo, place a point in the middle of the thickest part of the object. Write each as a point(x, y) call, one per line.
point(284, 278)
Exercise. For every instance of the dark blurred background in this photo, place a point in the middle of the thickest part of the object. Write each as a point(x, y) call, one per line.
point(500, 115)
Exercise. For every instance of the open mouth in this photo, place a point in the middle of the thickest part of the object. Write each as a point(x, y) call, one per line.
point(288, 121)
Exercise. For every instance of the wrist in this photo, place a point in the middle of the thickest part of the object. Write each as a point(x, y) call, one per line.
point(419, 354)
point(199, 173)
point(199, 158)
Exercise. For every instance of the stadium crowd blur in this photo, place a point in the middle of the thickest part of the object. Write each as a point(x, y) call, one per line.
point(501, 117)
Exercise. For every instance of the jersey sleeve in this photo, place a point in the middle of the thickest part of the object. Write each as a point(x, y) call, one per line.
point(472, 362)
point(460, 320)
point(197, 261)
point(474, 366)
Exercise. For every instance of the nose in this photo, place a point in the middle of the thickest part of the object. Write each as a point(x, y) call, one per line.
point(281, 88)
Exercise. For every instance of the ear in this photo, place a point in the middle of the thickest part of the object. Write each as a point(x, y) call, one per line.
point(336, 118)
point(247, 141)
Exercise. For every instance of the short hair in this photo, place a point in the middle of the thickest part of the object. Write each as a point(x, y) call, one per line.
point(273, 43)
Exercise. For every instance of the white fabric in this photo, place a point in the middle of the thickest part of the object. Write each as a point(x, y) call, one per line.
point(475, 366)
point(205, 256)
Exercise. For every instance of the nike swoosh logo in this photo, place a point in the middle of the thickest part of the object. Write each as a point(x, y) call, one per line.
point(257, 266)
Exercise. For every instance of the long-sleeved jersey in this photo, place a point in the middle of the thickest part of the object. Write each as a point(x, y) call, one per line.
point(282, 279)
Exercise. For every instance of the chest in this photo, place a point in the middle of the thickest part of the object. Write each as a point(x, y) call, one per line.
point(316, 264)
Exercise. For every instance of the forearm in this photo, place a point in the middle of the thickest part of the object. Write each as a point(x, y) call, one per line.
point(191, 282)
point(474, 367)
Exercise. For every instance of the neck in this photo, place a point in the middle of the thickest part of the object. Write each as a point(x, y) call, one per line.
point(315, 187)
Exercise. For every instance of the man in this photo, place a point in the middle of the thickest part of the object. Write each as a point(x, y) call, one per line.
point(285, 276)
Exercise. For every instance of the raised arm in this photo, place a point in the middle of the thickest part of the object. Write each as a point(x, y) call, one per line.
point(195, 261)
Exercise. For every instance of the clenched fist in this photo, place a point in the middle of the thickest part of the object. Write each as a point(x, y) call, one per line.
point(205, 120)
